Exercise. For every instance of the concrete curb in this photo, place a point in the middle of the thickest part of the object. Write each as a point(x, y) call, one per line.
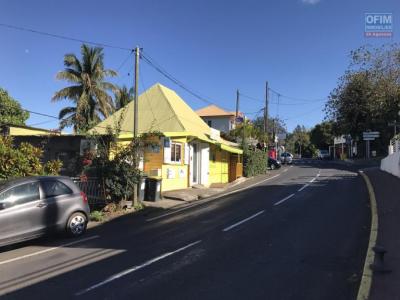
point(366, 279)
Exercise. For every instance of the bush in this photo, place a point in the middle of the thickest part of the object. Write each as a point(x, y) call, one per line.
point(255, 162)
point(96, 216)
point(24, 160)
point(118, 174)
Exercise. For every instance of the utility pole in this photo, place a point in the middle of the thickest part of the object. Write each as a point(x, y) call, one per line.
point(394, 124)
point(266, 109)
point(135, 121)
point(237, 106)
point(135, 112)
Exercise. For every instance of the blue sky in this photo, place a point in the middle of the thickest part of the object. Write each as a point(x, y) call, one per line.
point(213, 46)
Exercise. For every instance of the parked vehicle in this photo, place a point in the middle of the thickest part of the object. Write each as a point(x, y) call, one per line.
point(323, 154)
point(286, 158)
point(273, 163)
point(33, 206)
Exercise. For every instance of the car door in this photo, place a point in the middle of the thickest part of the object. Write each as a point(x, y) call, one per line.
point(57, 198)
point(21, 214)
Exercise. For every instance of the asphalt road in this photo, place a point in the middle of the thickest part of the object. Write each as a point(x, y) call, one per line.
point(300, 235)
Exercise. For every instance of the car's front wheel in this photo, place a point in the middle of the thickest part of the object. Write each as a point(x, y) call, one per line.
point(76, 225)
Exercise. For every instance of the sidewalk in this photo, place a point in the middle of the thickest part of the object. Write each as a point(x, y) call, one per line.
point(387, 192)
point(180, 197)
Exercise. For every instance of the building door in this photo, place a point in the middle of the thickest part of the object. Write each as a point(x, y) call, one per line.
point(194, 163)
point(205, 163)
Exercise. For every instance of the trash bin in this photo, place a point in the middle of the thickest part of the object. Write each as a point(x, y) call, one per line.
point(153, 189)
point(142, 188)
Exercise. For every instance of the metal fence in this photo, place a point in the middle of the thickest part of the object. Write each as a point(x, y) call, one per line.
point(93, 188)
point(394, 146)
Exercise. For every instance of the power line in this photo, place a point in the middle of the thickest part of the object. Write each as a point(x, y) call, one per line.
point(295, 98)
point(253, 113)
point(305, 113)
point(280, 103)
point(150, 61)
point(63, 37)
point(124, 61)
point(41, 123)
point(251, 98)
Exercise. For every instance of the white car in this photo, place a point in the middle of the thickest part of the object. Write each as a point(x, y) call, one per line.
point(323, 154)
point(286, 158)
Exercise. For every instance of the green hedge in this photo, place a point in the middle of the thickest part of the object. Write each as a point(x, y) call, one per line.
point(255, 162)
point(24, 160)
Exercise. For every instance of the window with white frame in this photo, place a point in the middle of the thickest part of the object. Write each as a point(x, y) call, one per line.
point(176, 152)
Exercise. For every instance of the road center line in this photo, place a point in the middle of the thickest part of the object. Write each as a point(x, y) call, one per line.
point(284, 199)
point(303, 187)
point(243, 221)
point(135, 268)
point(211, 198)
point(48, 250)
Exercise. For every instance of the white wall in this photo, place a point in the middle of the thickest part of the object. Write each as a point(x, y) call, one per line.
point(391, 164)
point(220, 123)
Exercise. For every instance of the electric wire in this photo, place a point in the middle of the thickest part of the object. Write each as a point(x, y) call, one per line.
point(63, 37)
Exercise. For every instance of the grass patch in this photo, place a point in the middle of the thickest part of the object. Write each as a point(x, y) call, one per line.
point(96, 216)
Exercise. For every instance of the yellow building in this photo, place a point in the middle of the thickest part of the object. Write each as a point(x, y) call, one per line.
point(22, 130)
point(188, 152)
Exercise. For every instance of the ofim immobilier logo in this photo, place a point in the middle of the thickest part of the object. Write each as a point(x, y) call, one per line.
point(378, 25)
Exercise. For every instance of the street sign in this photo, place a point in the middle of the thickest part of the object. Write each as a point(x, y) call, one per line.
point(339, 140)
point(371, 134)
point(239, 120)
point(369, 139)
point(281, 136)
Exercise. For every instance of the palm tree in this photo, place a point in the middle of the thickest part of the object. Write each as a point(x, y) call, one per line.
point(123, 96)
point(88, 91)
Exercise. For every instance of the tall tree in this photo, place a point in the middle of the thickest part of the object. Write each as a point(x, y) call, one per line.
point(89, 90)
point(123, 96)
point(276, 126)
point(368, 94)
point(10, 110)
point(298, 140)
point(322, 135)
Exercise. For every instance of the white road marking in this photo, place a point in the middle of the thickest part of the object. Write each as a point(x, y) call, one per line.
point(312, 180)
point(48, 250)
point(285, 170)
point(303, 187)
point(135, 268)
point(219, 196)
point(284, 199)
point(243, 221)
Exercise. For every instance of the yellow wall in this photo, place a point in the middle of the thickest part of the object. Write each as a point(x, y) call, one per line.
point(219, 168)
point(179, 179)
point(17, 131)
point(174, 175)
point(179, 171)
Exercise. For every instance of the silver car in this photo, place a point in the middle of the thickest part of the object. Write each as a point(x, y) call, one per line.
point(33, 206)
point(286, 158)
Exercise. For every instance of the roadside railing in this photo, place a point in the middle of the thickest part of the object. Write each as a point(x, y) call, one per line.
point(394, 146)
point(93, 188)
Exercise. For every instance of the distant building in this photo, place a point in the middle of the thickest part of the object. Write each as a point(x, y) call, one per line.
point(218, 118)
